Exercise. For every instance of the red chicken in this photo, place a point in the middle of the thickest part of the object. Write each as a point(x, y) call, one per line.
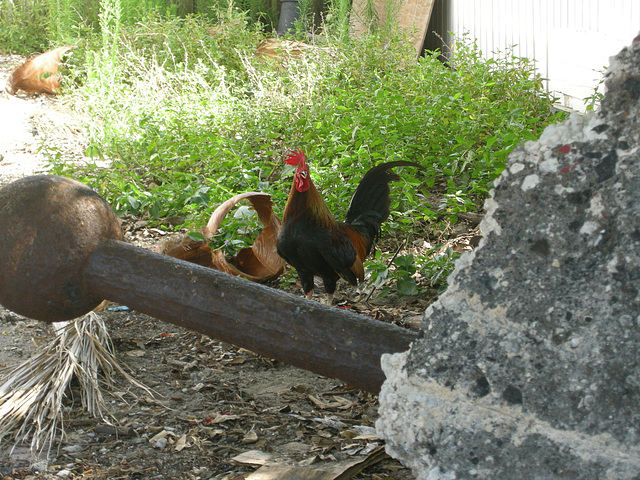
point(315, 244)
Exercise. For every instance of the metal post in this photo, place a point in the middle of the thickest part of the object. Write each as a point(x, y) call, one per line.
point(289, 13)
point(303, 333)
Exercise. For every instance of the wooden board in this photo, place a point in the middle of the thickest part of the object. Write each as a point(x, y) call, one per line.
point(412, 15)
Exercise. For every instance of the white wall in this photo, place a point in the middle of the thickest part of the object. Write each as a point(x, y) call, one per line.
point(571, 40)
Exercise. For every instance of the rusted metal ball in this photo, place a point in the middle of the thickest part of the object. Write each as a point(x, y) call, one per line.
point(49, 226)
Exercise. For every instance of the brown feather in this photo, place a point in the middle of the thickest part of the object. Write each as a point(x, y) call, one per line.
point(361, 251)
point(308, 203)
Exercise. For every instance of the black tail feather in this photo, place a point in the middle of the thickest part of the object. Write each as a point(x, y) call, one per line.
point(370, 203)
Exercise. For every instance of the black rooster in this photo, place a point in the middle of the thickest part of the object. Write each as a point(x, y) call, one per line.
point(315, 244)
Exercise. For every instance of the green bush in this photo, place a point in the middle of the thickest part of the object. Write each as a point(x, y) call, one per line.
point(188, 115)
point(21, 29)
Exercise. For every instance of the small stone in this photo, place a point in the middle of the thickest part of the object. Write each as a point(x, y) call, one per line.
point(530, 182)
point(589, 401)
point(161, 443)
point(632, 381)
point(512, 395)
point(72, 449)
point(625, 321)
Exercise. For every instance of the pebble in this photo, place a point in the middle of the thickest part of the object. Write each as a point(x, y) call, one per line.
point(161, 443)
point(72, 449)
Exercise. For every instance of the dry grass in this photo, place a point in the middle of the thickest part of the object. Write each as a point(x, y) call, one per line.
point(32, 394)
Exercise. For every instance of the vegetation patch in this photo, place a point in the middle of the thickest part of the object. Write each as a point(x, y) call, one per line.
point(181, 114)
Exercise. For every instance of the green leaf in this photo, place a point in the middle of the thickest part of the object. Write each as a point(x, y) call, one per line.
point(197, 236)
point(134, 203)
point(407, 286)
point(406, 263)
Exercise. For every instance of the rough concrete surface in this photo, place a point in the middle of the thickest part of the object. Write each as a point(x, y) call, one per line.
point(529, 366)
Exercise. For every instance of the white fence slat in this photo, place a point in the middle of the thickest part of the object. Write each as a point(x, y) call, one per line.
point(571, 40)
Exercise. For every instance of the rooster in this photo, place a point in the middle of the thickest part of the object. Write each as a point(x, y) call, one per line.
point(315, 244)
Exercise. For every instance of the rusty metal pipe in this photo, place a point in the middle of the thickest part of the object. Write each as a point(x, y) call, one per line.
point(306, 334)
point(61, 254)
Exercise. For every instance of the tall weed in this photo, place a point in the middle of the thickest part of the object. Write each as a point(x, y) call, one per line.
point(21, 26)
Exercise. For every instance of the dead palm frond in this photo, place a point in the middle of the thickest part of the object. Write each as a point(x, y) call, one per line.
point(33, 392)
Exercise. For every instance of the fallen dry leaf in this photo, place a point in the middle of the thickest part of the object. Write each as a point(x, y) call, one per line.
point(181, 443)
point(38, 74)
point(135, 353)
point(234, 361)
point(259, 263)
point(220, 418)
point(250, 437)
point(212, 432)
point(319, 471)
point(162, 434)
point(338, 402)
point(253, 457)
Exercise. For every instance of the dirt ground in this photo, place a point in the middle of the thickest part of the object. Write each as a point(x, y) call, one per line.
point(220, 411)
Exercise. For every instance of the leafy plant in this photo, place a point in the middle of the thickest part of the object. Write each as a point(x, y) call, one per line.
point(21, 29)
point(191, 116)
point(593, 100)
point(404, 272)
point(437, 267)
point(237, 232)
point(400, 269)
point(408, 274)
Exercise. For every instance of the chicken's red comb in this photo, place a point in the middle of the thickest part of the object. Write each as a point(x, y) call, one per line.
point(295, 157)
